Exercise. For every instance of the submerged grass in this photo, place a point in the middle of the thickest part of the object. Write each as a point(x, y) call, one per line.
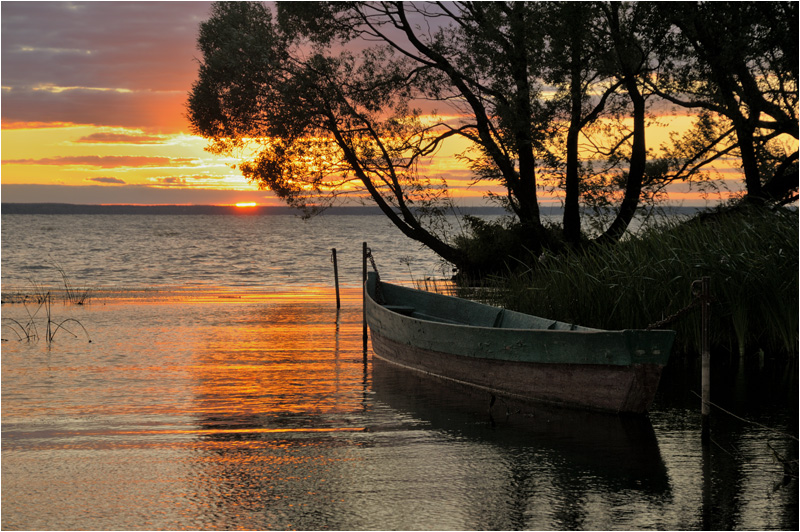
point(750, 254)
point(43, 299)
point(28, 330)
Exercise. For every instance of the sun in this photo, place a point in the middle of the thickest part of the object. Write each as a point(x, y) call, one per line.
point(246, 204)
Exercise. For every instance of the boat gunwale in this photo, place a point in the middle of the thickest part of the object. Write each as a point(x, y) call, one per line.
point(532, 345)
point(417, 317)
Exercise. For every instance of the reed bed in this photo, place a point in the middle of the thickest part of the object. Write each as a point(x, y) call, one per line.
point(72, 294)
point(751, 256)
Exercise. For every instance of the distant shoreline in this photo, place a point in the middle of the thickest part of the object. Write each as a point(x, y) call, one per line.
point(72, 208)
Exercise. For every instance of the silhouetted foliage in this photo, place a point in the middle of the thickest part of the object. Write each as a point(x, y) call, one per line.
point(737, 63)
point(322, 100)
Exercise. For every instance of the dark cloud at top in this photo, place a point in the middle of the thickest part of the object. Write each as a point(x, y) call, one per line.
point(121, 45)
point(142, 52)
point(109, 180)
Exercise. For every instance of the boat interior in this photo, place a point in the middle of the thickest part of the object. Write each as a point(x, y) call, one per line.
point(446, 309)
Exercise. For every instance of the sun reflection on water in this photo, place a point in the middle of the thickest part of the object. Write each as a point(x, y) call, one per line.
point(259, 410)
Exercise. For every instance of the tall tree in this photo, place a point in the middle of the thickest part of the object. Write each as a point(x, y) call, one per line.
point(314, 125)
point(575, 53)
point(737, 62)
point(630, 61)
point(321, 118)
point(598, 58)
point(326, 100)
point(483, 61)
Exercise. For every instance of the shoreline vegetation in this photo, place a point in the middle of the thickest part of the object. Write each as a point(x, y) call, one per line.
point(750, 254)
point(43, 298)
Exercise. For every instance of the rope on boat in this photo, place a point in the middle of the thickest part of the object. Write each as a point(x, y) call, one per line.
point(378, 290)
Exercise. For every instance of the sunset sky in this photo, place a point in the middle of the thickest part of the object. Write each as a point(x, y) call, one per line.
point(93, 104)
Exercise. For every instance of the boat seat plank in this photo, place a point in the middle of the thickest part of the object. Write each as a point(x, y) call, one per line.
point(517, 320)
point(560, 326)
point(401, 309)
point(438, 319)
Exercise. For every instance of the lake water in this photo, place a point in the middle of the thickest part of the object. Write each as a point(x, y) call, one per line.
point(192, 251)
point(222, 389)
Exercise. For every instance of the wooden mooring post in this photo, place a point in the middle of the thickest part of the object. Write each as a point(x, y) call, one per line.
point(705, 379)
point(336, 277)
point(364, 293)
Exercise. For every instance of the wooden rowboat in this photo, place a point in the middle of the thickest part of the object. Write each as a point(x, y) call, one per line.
point(518, 356)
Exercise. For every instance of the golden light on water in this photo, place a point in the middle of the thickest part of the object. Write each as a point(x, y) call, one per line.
point(260, 410)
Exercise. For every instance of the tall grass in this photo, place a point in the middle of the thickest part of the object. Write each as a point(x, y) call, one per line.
point(72, 294)
point(751, 256)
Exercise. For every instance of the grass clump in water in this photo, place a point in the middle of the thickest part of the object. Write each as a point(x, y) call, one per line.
point(38, 293)
point(28, 330)
point(750, 254)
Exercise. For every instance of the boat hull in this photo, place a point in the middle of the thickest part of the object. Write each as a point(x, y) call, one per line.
point(621, 389)
point(485, 347)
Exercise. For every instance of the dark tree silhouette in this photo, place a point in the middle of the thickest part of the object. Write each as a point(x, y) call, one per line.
point(332, 99)
point(737, 61)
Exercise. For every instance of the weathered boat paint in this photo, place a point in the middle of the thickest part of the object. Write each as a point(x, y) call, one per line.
point(516, 355)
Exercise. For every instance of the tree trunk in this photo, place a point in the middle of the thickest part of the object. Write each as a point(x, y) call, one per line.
point(572, 215)
point(633, 186)
point(752, 174)
point(413, 230)
point(525, 189)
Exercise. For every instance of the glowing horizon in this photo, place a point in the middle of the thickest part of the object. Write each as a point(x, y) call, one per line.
point(108, 162)
point(100, 134)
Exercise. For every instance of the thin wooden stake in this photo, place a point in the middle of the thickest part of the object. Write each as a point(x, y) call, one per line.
point(364, 292)
point(336, 277)
point(706, 360)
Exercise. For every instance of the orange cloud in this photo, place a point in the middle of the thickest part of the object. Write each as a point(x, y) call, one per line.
point(121, 138)
point(142, 109)
point(9, 124)
point(112, 161)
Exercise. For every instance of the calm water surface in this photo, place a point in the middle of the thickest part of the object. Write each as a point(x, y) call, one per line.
point(246, 252)
point(237, 405)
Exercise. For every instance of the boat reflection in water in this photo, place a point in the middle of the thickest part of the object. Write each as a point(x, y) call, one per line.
point(389, 449)
point(615, 452)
